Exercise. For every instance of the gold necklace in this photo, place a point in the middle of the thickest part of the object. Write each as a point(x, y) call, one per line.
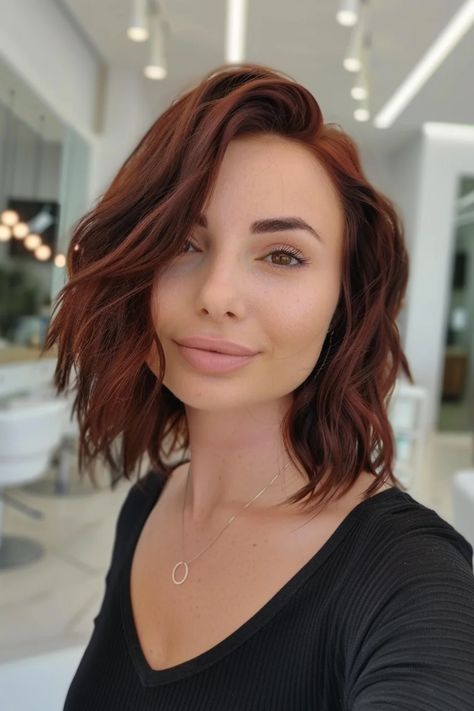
point(186, 563)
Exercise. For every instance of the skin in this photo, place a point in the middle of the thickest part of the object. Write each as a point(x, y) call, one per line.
point(237, 285)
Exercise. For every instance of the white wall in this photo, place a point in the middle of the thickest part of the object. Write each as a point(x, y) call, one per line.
point(396, 175)
point(428, 181)
point(405, 174)
point(126, 117)
point(42, 46)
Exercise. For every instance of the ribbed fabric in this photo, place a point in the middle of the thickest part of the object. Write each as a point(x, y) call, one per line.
point(381, 618)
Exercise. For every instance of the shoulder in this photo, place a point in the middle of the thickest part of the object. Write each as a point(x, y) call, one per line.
point(402, 558)
point(407, 565)
point(399, 523)
point(408, 615)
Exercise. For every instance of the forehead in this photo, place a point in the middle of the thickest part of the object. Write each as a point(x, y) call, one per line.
point(261, 176)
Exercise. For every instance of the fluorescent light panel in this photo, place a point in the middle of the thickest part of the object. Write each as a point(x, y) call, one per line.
point(449, 131)
point(235, 31)
point(437, 53)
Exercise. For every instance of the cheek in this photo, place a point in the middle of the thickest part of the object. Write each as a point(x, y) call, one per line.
point(302, 319)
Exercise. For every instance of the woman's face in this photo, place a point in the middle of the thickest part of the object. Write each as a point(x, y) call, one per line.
point(233, 282)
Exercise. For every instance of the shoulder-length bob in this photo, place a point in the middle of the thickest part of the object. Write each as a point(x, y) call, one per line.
point(338, 424)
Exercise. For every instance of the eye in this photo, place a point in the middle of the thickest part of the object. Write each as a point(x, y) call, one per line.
point(286, 250)
point(185, 248)
point(291, 252)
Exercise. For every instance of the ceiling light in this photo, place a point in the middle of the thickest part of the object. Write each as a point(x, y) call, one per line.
point(32, 241)
point(236, 22)
point(156, 67)
point(353, 58)
point(43, 252)
point(138, 27)
point(5, 233)
point(428, 64)
point(360, 88)
point(449, 131)
point(348, 12)
point(362, 113)
point(60, 260)
point(9, 217)
point(20, 230)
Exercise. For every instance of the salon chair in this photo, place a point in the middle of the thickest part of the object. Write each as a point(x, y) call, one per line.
point(29, 433)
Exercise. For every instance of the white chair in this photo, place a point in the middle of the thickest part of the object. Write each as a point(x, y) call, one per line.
point(463, 503)
point(65, 456)
point(29, 433)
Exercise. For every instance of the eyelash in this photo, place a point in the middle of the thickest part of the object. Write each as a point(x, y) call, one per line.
point(283, 249)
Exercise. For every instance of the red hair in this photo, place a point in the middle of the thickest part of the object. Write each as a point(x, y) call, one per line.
point(102, 325)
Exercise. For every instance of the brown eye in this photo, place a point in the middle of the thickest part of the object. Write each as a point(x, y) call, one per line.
point(289, 253)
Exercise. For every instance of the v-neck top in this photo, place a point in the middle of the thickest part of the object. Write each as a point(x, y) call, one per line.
point(381, 617)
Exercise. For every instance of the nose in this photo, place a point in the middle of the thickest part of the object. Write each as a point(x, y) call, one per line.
point(221, 289)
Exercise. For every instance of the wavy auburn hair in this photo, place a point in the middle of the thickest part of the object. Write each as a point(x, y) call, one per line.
point(337, 425)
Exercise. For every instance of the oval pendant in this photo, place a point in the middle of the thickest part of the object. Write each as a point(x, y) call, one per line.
point(186, 571)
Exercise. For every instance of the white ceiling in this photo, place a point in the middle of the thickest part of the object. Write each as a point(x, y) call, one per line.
point(303, 39)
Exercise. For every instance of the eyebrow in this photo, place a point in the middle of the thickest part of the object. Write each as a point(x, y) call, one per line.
point(273, 224)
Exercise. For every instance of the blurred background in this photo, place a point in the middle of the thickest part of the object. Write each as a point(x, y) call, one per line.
point(80, 83)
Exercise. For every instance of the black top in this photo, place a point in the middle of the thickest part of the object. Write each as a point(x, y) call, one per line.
point(381, 618)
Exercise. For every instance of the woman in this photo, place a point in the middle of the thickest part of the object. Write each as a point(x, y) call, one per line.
point(234, 295)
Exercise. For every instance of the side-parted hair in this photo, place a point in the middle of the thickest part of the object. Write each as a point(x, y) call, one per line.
point(102, 325)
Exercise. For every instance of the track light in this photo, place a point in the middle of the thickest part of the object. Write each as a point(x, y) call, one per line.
point(138, 27)
point(353, 59)
point(156, 67)
point(360, 87)
point(362, 112)
point(348, 12)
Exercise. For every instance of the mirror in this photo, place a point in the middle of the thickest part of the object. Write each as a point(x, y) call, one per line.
point(458, 375)
point(44, 168)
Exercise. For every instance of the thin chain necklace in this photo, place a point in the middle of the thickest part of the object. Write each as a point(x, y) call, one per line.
point(184, 563)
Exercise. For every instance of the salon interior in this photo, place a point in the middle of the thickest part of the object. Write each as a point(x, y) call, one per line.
point(80, 83)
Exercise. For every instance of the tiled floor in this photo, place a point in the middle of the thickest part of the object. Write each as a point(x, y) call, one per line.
point(51, 603)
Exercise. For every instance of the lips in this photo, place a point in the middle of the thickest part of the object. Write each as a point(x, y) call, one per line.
point(215, 345)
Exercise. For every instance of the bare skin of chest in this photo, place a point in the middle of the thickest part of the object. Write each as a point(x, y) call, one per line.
point(226, 586)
